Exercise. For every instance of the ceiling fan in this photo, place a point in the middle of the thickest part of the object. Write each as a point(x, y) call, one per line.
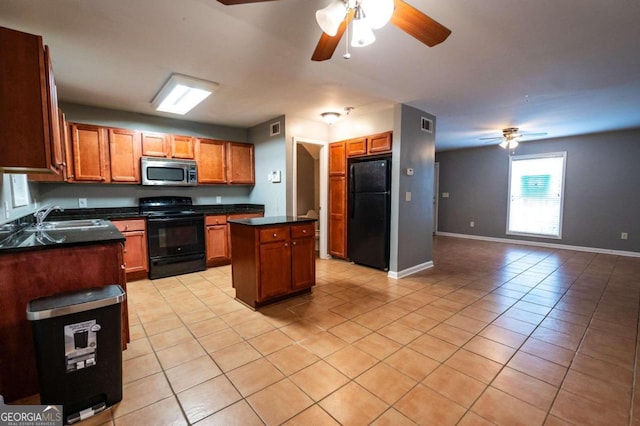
point(367, 15)
point(510, 137)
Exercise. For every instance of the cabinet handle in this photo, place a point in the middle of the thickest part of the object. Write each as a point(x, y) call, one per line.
point(126, 227)
point(124, 251)
point(275, 235)
point(294, 243)
point(286, 244)
point(123, 266)
point(304, 231)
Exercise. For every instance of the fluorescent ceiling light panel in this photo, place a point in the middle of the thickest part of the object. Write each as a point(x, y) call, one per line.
point(181, 93)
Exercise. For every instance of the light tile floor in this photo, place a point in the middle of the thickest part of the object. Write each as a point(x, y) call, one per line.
point(493, 334)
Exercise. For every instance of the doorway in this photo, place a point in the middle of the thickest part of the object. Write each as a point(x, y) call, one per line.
point(309, 186)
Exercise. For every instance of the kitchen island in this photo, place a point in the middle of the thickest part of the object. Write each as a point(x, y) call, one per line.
point(273, 258)
point(38, 264)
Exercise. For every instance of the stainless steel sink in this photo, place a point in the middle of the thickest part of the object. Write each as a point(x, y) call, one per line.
point(67, 225)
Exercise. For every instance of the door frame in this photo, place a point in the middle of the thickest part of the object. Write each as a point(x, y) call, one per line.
point(436, 198)
point(324, 181)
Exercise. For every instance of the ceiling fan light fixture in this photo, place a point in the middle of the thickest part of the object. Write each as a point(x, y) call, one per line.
point(330, 117)
point(330, 18)
point(362, 33)
point(181, 93)
point(378, 12)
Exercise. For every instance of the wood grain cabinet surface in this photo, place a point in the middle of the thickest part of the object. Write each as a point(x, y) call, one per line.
point(240, 164)
point(30, 132)
point(272, 262)
point(212, 161)
point(136, 260)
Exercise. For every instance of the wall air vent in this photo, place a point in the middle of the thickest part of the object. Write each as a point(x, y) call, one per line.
point(274, 128)
point(426, 125)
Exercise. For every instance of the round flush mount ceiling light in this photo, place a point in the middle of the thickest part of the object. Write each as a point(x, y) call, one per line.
point(330, 117)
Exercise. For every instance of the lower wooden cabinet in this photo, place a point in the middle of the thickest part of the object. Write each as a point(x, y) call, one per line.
point(272, 262)
point(217, 239)
point(135, 248)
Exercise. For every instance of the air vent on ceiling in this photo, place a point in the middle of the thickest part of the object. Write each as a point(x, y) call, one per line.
point(426, 125)
point(275, 128)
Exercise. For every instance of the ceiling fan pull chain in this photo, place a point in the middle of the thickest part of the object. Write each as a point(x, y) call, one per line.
point(347, 55)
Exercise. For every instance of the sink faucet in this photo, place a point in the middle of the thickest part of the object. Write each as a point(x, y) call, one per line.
point(42, 213)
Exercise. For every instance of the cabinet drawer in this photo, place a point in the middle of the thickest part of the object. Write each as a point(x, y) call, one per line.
point(301, 231)
point(274, 234)
point(129, 225)
point(215, 220)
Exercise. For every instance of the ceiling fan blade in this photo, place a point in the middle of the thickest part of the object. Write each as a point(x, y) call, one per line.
point(234, 2)
point(495, 138)
point(418, 25)
point(327, 44)
point(534, 134)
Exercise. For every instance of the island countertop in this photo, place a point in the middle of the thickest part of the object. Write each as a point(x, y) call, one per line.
point(272, 220)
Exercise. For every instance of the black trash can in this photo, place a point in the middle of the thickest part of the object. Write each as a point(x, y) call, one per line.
point(77, 338)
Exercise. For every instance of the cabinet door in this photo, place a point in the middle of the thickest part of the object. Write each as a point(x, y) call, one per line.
point(356, 147)
point(28, 105)
point(135, 252)
point(89, 153)
point(57, 160)
point(211, 157)
point(183, 147)
point(378, 144)
point(135, 247)
point(337, 216)
point(303, 262)
point(217, 238)
point(337, 159)
point(240, 165)
point(124, 150)
point(275, 269)
point(154, 144)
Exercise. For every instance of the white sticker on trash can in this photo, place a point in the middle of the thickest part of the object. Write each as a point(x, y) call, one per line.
point(80, 345)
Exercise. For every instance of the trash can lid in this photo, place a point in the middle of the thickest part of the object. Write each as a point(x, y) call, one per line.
point(74, 301)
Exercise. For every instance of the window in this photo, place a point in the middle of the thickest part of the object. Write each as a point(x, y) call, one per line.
point(536, 193)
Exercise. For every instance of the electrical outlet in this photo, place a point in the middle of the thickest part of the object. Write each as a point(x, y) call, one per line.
point(82, 203)
point(624, 236)
point(445, 195)
point(472, 224)
point(407, 196)
point(218, 199)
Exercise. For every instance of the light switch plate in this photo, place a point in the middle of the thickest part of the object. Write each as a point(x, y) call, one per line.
point(82, 203)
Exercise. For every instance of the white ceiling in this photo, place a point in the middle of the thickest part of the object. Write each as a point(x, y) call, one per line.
point(564, 67)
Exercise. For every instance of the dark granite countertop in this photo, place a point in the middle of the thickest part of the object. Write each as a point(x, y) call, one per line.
point(24, 239)
point(115, 213)
point(272, 220)
point(14, 236)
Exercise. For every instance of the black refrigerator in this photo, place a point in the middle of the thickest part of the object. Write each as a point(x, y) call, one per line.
point(369, 210)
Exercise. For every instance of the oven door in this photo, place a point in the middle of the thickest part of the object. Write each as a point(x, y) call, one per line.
point(174, 236)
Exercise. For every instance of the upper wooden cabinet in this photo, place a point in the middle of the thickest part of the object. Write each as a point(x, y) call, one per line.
point(337, 160)
point(240, 164)
point(124, 155)
point(154, 144)
point(168, 146)
point(103, 154)
point(30, 133)
point(89, 153)
point(369, 145)
point(182, 146)
point(212, 161)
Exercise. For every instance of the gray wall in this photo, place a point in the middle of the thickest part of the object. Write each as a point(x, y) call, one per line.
point(411, 221)
point(601, 190)
point(112, 195)
point(270, 155)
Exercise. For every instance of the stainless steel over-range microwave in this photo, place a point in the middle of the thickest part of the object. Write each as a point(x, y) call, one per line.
point(170, 172)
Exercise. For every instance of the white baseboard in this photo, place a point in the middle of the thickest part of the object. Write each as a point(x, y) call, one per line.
point(541, 244)
point(409, 271)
